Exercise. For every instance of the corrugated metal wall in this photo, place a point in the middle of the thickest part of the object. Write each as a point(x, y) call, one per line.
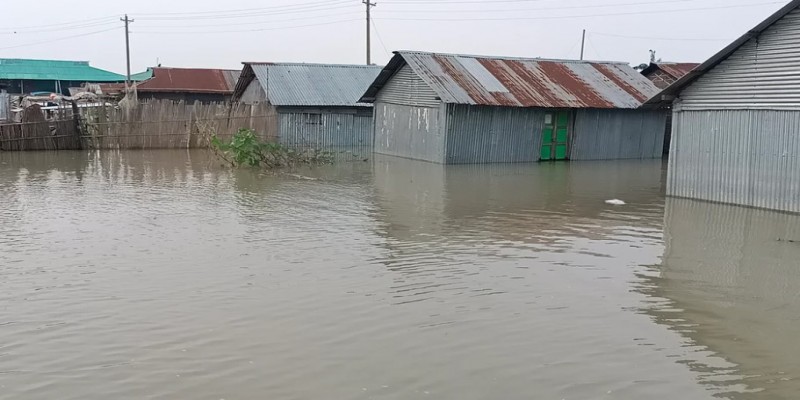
point(410, 131)
point(745, 157)
point(763, 73)
point(349, 132)
point(617, 134)
point(5, 106)
point(254, 93)
point(407, 88)
point(482, 134)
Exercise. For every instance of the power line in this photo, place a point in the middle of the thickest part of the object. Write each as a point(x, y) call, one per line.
point(323, 6)
point(430, 2)
point(246, 30)
point(58, 39)
point(57, 29)
point(171, 26)
point(585, 15)
point(661, 38)
point(411, 11)
point(607, 5)
point(576, 44)
point(249, 10)
point(594, 47)
point(380, 39)
point(250, 14)
point(19, 28)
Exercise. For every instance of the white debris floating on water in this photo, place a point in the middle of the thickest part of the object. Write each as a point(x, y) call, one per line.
point(615, 202)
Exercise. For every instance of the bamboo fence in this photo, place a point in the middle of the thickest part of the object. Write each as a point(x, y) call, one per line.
point(160, 124)
point(165, 124)
point(35, 132)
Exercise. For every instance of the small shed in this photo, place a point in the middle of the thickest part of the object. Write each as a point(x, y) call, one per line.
point(312, 105)
point(187, 84)
point(736, 120)
point(463, 109)
point(663, 74)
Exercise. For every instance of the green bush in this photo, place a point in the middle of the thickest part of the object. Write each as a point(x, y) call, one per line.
point(245, 149)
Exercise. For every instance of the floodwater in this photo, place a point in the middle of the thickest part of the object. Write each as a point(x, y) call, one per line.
point(159, 275)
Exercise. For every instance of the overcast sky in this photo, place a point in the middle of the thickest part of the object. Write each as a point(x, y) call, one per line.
point(215, 34)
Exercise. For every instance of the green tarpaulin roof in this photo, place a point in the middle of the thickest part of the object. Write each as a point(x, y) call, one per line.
point(79, 71)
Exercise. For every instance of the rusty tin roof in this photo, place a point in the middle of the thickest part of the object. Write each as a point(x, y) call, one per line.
point(190, 80)
point(522, 82)
point(673, 69)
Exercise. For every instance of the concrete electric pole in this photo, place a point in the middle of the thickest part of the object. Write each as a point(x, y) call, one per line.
point(127, 22)
point(369, 5)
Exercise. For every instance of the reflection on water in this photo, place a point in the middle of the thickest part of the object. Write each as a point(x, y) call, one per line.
point(730, 283)
point(160, 275)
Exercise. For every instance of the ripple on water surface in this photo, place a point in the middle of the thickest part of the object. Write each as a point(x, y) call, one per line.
point(159, 275)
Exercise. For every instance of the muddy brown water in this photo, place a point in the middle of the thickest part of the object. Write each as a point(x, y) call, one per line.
point(159, 275)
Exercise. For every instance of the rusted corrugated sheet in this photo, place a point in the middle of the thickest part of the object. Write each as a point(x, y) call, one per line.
point(190, 80)
point(677, 70)
point(519, 82)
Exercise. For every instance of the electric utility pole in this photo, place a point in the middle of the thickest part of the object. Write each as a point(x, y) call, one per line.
point(127, 22)
point(369, 5)
point(583, 43)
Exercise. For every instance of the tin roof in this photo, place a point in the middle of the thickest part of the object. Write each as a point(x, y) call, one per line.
point(522, 82)
point(296, 84)
point(55, 70)
point(665, 96)
point(673, 69)
point(190, 80)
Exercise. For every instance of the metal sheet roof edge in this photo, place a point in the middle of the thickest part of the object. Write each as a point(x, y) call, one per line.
point(722, 55)
point(558, 60)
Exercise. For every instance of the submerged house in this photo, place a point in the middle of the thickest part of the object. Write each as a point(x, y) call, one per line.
point(312, 105)
point(24, 76)
point(663, 74)
point(736, 120)
point(461, 109)
point(188, 84)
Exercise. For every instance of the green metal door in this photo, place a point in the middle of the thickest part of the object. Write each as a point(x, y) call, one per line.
point(555, 137)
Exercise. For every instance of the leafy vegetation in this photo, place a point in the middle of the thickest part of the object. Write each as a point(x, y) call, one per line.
point(246, 149)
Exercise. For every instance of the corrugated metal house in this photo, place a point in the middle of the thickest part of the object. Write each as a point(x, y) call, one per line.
point(736, 120)
point(314, 105)
point(460, 109)
point(663, 74)
point(23, 76)
point(188, 84)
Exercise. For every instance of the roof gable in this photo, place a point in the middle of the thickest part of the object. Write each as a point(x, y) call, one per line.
point(523, 82)
point(55, 70)
point(295, 84)
point(667, 94)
